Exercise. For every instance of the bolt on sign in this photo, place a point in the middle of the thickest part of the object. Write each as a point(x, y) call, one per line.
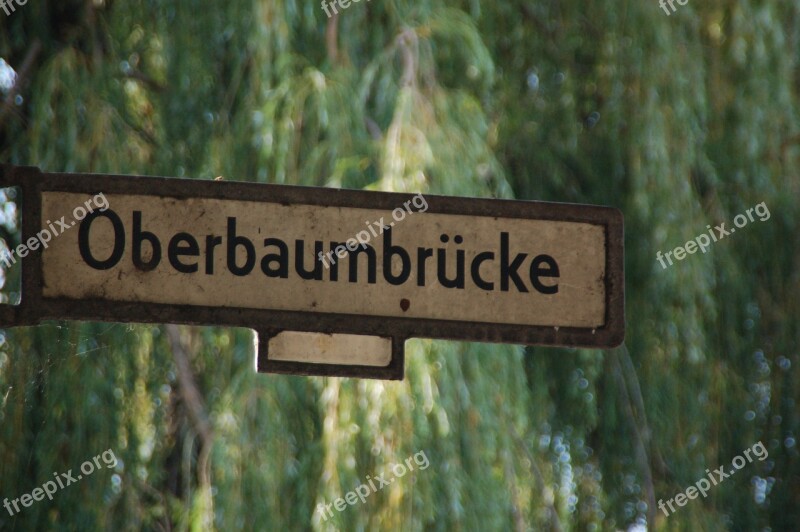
point(333, 281)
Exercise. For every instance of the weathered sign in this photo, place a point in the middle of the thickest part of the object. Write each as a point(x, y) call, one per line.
point(366, 269)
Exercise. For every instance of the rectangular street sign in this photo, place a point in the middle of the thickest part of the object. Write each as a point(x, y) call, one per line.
point(366, 269)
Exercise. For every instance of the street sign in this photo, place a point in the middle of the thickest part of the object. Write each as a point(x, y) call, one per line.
point(348, 274)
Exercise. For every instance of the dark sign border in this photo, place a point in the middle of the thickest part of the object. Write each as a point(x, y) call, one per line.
point(34, 308)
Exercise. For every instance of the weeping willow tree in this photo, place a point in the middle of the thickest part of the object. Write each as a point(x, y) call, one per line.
point(681, 121)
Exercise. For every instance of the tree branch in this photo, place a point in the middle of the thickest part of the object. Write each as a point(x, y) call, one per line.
point(640, 440)
point(190, 394)
point(22, 77)
point(555, 522)
point(331, 38)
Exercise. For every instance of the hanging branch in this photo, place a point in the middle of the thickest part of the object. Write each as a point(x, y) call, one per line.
point(22, 77)
point(632, 380)
point(555, 522)
point(190, 394)
point(639, 439)
point(331, 38)
point(195, 405)
point(511, 476)
point(408, 45)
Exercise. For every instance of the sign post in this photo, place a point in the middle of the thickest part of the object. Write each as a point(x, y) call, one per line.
point(334, 280)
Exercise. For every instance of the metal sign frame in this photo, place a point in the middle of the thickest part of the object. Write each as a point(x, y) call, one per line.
point(34, 307)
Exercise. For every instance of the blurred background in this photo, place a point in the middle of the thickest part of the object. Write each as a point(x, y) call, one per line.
point(680, 121)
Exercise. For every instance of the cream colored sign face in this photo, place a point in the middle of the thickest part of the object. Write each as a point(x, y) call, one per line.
point(242, 254)
point(316, 348)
